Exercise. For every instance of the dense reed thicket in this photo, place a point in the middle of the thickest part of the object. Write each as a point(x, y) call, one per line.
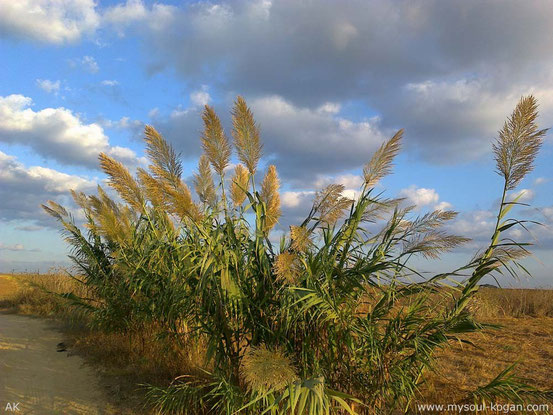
point(333, 320)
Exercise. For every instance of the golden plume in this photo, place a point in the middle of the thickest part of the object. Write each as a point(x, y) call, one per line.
point(287, 267)
point(330, 204)
point(380, 164)
point(301, 238)
point(152, 188)
point(263, 369)
point(518, 143)
point(203, 182)
point(110, 220)
point(271, 198)
point(246, 135)
point(180, 202)
point(123, 182)
point(214, 141)
point(81, 200)
point(165, 164)
point(166, 168)
point(55, 210)
point(239, 184)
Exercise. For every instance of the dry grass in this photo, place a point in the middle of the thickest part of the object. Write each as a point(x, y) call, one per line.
point(493, 302)
point(33, 294)
point(526, 340)
point(125, 361)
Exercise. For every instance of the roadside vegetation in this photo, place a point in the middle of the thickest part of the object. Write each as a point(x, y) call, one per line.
point(332, 319)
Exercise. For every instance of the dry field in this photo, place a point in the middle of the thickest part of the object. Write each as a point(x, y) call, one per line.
point(525, 338)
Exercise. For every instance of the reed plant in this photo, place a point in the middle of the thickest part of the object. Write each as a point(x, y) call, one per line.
point(332, 320)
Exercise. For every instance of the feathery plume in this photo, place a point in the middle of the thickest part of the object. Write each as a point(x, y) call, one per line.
point(166, 168)
point(239, 183)
point(214, 141)
point(287, 267)
point(301, 238)
point(246, 135)
point(380, 164)
point(165, 164)
point(519, 142)
point(203, 182)
point(432, 244)
point(152, 188)
point(269, 195)
point(330, 204)
point(81, 200)
point(505, 254)
point(263, 369)
point(55, 209)
point(122, 181)
point(180, 202)
point(110, 220)
point(431, 221)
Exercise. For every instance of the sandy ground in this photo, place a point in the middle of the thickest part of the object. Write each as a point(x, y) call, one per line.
point(40, 379)
point(37, 379)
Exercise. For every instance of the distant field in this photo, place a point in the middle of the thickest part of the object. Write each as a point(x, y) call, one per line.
point(8, 286)
point(526, 337)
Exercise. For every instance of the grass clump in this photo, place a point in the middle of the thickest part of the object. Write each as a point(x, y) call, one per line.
point(333, 320)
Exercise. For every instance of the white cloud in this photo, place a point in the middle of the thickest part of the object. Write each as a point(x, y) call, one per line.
point(23, 189)
point(48, 86)
point(330, 107)
point(90, 64)
point(524, 195)
point(313, 142)
point(201, 97)
point(123, 15)
point(540, 180)
point(48, 21)
point(87, 63)
point(420, 196)
point(349, 181)
point(54, 133)
point(127, 156)
point(110, 82)
point(295, 199)
point(443, 206)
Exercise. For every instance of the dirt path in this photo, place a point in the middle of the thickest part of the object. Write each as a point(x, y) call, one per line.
point(37, 379)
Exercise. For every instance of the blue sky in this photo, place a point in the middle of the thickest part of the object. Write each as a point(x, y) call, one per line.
point(327, 81)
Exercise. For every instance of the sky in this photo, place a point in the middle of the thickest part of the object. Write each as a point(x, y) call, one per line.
point(327, 81)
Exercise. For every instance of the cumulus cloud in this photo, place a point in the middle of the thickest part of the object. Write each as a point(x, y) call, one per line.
point(48, 86)
point(450, 87)
point(121, 16)
point(55, 133)
point(48, 21)
point(293, 199)
point(23, 189)
point(420, 196)
point(307, 143)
